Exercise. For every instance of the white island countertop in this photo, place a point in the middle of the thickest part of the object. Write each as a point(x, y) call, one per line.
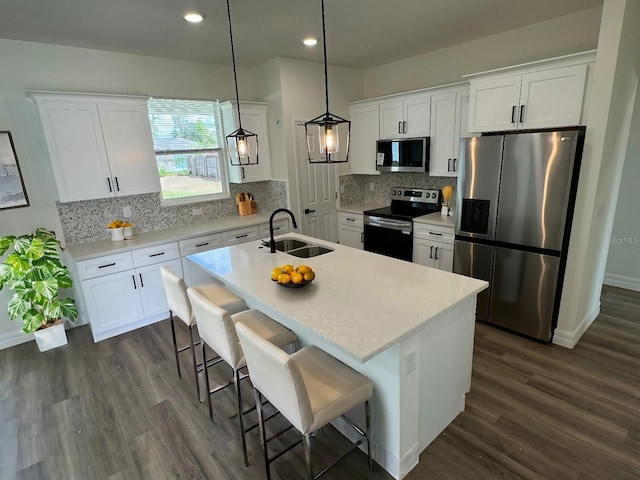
point(360, 302)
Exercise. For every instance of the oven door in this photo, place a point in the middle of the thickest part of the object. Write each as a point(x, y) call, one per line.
point(386, 236)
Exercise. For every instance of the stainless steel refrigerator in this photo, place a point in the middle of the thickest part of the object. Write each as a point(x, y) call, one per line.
point(515, 200)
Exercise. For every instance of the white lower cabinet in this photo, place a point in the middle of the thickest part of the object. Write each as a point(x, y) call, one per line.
point(433, 246)
point(125, 300)
point(351, 230)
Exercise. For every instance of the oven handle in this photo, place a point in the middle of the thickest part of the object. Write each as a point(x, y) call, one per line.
point(405, 227)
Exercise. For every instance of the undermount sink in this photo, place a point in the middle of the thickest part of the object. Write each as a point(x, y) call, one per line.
point(310, 251)
point(300, 249)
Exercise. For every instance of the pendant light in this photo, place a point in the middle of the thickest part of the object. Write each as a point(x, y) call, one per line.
point(328, 134)
point(242, 145)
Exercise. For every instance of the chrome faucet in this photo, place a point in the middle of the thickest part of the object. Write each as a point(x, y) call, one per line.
point(272, 242)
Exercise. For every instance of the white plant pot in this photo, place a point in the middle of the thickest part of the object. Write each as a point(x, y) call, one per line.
point(51, 337)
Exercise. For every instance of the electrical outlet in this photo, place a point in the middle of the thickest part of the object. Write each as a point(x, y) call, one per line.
point(410, 362)
point(126, 211)
point(371, 186)
point(196, 211)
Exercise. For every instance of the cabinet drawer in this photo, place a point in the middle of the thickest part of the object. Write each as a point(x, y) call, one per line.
point(279, 227)
point(241, 235)
point(433, 232)
point(98, 267)
point(353, 219)
point(200, 244)
point(156, 254)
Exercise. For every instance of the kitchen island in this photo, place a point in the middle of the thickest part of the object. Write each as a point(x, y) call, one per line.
point(407, 327)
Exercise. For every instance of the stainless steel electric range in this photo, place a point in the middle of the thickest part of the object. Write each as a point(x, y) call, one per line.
point(389, 230)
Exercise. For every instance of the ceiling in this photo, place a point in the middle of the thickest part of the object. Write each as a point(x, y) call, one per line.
point(360, 33)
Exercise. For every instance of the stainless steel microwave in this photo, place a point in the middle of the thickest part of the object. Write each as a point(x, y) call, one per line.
point(406, 155)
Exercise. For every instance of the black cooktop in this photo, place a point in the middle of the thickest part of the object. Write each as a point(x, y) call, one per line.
point(409, 203)
point(402, 212)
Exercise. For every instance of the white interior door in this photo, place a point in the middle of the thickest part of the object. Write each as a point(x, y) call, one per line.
point(317, 187)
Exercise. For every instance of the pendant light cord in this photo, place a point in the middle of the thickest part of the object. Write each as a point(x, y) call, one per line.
point(233, 59)
point(324, 43)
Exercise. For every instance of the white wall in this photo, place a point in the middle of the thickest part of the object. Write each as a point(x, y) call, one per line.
point(610, 112)
point(559, 36)
point(623, 261)
point(33, 66)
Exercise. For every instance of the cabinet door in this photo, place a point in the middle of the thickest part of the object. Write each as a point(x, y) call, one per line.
point(423, 252)
point(365, 131)
point(76, 146)
point(391, 118)
point(552, 98)
point(112, 301)
point(443, 134)
point(493, 104)
point(351, 236)
point(154, 299)
point(417, 116)
point(443, 256)
point(127, 137)
point(254, 119)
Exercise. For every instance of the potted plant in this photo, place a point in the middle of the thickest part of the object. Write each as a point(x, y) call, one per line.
point(35, 274)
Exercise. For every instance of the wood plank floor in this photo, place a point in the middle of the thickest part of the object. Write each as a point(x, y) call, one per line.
point(116, 410)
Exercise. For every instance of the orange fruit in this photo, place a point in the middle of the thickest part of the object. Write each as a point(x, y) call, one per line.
point(309, 276)
point(296, 277)
point(284, 278)
point(275, 273)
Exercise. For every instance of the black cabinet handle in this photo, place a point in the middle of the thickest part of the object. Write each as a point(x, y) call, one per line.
point(404, 127)
point(436, 257)
point(521, 113)
point(455, 166)
point(133, 277)
point(399, 127)
point(242, 172)
point(449, 165)
point(107, 265)
point(307, 211)
point(109, 182)
point(276, 229)
point(117, 184)
point(350, 219)
point(242, 236)
point(362, 237)
point(431, 251)
point(435, 233)
point(513, 114)
point(156, 254)
point(141, 282)
point(202, 244)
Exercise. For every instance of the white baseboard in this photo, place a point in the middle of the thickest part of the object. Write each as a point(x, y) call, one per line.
point(14, 338)
point(622, 281)
point(570, 339)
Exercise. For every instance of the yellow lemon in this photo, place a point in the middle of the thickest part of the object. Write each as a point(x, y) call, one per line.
point(309, 276)
point(296, 277)
point(284, 278)
point(287, 268)
point(275, 273)
point(304, 269)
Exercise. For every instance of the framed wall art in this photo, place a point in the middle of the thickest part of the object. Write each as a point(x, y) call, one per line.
point(13, 193)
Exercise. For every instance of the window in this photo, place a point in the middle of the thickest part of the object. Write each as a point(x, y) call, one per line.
point(187, 139)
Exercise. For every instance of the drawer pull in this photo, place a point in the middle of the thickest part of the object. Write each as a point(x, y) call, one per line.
point(436, 257)
point(242, 236)
point(156, 254)
point(107, 265)
point(141, 282)
point(202, 244)
point(435, 233)
point(276, 228)
point(133, 277)
point(350, 219)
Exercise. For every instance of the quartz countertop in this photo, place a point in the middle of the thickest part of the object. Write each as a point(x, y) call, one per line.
point(361, 302)
point(436, 219)
point(85, 251)
point(359, 207)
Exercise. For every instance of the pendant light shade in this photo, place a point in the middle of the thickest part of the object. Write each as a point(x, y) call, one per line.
point(242, 145)
point(327, 134)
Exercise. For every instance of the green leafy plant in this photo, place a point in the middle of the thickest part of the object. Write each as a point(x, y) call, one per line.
point(35, 274)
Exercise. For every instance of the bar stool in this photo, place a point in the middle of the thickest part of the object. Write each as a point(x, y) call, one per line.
point(179, 306)
point(310, 388)
point(217, 330)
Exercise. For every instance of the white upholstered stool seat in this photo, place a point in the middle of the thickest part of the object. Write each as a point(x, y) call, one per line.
point(180, 306)
point(310, 388)
point(217, 330)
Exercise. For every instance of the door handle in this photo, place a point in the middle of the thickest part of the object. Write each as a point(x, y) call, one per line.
point(133, 277)
point(117, 184)
point(399, 127)
point(141, 282)
point(449, 165)
point(513, 114)
point(307, 211)
point(109, 182)
point(404, 127)
point(521, 113)
point(455, 165)
point(436, 257)
point(242, 172)
point(431, 251)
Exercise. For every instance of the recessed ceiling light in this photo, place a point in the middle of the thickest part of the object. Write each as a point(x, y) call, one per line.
point(193, 16)
point(310, 42)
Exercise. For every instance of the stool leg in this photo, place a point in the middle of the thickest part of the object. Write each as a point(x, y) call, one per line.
point(236, 380)
point(175, 343)
point(206, 380)
point(307, 455)
point(195, 362)
point(263, 434)
point(367, 414)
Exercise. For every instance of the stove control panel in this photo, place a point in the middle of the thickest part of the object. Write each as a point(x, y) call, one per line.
point(419, 195)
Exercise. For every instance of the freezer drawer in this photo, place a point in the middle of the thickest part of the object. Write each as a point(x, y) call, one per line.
point(523, 292)
point(475, 260)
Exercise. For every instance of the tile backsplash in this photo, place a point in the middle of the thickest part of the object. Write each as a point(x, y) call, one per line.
point(86, 221)
point(357, 188)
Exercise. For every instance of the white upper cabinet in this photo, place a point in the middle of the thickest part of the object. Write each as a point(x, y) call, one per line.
point(405, 117)
point(365, 123)
point(254, 119)
point(545, 94)
point(100, 145)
